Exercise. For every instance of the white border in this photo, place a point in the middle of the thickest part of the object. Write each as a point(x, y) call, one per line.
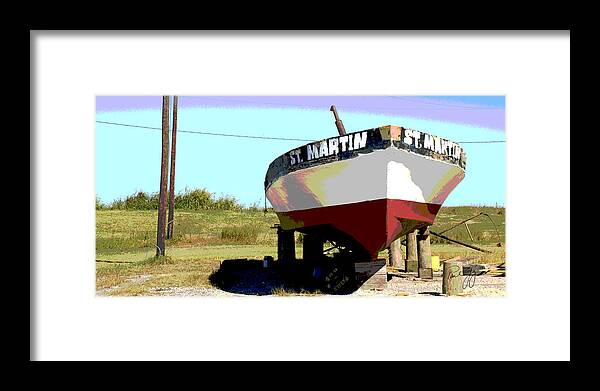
point(531, 323)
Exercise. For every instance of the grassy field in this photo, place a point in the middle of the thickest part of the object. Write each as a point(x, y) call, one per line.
point(125, 239)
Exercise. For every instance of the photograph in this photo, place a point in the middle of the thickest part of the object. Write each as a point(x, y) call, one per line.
point(274, 197)
point(348, 195)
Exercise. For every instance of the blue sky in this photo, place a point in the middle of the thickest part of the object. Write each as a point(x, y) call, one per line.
point(128, 159)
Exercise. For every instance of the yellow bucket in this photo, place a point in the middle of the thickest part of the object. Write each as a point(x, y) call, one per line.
point(435, 263)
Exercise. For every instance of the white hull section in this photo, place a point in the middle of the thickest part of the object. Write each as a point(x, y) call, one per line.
point(390, 173)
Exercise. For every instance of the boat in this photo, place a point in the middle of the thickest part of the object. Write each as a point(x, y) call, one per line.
point(364, 189)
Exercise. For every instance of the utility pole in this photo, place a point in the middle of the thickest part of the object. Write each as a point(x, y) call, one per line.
point(160, 231)
point(172, 173)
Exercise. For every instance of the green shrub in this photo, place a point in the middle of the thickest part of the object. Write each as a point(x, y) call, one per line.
point(141, 201)
point(197, 199)
point(226, 203)
point(255, 207)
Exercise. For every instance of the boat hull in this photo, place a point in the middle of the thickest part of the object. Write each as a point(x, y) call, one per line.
point(373, 224)
point(374, 197)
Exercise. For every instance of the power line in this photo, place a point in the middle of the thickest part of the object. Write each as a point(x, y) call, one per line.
point(208, 133)
point(257, 137)
point(482, 142)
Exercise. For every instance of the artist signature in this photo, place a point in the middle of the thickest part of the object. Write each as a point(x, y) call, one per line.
point(469, 278)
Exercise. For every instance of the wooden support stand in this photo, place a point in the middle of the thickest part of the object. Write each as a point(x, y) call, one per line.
point(312, 247)
point(396, 259)
point(425, 273)
point(411, 252)
point(424, 253)
point(452, 278)
point(286, 247)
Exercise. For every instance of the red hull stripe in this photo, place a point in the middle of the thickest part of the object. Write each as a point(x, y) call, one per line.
point(374, 224)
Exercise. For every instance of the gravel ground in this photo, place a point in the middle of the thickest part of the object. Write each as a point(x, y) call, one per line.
point(189, 291)
point(398, 286)
point(409, 285)
point(262, 282)
point(406, 285)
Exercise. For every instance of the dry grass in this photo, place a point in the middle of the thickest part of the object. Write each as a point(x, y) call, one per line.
point(444, 251)
point(246, 234)
point(203, 239)
point(281, 291)
point(107, 280)
point(135, 230)
point(138, 278)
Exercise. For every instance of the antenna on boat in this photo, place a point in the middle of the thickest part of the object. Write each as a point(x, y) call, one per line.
point(338, 121)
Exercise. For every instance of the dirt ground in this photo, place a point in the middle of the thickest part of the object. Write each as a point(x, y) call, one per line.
point(408, 284)
point(267, 282)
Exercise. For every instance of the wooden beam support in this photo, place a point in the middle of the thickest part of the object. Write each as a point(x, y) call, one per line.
point(286, 247)
point(396, 259)
point(452, 278)
point(424, 253)
point(411, 252)
point(312, 247)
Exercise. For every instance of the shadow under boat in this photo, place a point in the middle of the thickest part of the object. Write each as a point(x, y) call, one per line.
point(251, 277)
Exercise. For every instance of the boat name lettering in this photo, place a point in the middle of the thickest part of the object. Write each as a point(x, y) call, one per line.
point(436, 144)
point(329, 147)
